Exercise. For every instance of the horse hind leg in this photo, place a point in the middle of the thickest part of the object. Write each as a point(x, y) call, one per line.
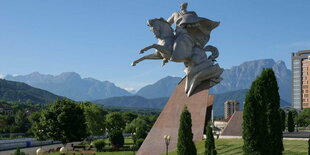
point(153, 56)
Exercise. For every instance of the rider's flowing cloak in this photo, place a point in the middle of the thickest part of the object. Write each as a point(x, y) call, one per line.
point(198, 28)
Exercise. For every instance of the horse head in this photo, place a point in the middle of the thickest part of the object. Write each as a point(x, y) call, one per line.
point(160, 27)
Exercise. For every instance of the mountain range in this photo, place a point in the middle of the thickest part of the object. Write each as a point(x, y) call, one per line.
point(237, 78)
point(71, 85)
point(162, 88)
point(21, 92)
point(159, 103)
point(242, 76)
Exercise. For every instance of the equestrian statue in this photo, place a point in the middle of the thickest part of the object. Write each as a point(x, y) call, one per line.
point(186, 44)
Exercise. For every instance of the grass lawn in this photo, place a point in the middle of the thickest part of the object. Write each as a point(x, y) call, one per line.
point(104, 153)
point(234, 146)
point(128, 142)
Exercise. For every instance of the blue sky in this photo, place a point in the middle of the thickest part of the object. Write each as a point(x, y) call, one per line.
point(100, 38)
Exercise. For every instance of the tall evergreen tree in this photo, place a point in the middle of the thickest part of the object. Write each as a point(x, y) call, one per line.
point(290, 122)
point(271, 98)
point(254, 121)
point(309, 146)
point(185, 144)
point(283, 118)
point(209, 143)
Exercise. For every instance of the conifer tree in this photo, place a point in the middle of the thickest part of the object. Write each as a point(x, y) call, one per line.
point(209, 143)
point(185, 144)
point(290, 122)
point(309, 146)
point(254, 122)
point(283, 118)
point(271, 98)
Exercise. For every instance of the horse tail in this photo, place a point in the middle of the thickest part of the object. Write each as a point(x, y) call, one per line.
point(213, 50)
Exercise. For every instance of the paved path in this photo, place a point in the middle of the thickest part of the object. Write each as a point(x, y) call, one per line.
point(32, 150)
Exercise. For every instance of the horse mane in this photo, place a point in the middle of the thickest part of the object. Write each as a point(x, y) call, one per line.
point(162, 20)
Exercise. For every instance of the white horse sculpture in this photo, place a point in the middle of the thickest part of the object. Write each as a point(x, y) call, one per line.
point(177, 48)
point(181, 47)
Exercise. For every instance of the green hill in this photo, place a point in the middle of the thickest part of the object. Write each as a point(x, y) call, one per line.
point(21, 92)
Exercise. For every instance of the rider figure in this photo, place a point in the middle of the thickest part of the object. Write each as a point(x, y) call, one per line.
point(176, 17)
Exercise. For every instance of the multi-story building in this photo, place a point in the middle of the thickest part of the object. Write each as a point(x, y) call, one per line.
point(230, 106)
point(301, 79)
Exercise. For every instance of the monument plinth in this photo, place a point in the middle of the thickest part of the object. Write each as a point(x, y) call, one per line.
point(199, 105)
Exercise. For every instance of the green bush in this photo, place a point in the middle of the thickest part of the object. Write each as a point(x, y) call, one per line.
point(99, 144)
point(116, 138)
point(139, 143)
point(18, 152)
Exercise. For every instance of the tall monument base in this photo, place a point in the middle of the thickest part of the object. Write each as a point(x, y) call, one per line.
point(199, 104)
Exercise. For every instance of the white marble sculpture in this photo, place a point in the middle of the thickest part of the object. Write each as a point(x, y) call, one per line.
point(186, 44)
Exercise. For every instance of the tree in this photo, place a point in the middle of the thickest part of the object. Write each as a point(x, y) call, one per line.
point(283, 118)
point(34, 119)
point(3, 124)
point(209, 142)
point(309, 146)
point(115, 121)
point(21, 121)
point(254, 121)
point(303, 119)
point(290, 122)
point(270, 96)
point(185, 145)
point(63, 121)
point(129, 116)
point(116, 138)
point(94, 117)
point(138, 126)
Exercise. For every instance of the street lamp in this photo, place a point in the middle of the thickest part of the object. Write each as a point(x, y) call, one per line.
point(167, 141)
point(133, 136)
point(63, 150)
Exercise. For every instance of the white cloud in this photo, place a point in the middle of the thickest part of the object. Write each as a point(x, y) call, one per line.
point(1, 76)
point(131, 90)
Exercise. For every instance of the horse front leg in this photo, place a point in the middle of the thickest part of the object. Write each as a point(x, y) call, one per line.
point(146, 48)
point(162, 49)
point(150, 56)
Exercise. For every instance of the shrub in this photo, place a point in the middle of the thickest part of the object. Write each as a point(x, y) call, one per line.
point(116, 138)
point(99, 144)
point(18, 152)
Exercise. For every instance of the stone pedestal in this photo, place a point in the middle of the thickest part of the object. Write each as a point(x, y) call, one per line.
point(200, 106)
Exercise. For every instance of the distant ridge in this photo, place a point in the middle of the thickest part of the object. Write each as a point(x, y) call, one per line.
point(133, 102)
point(236, 78)
point(71, 85)
point(162, 88)
point(21, 92)
point(159, 103)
